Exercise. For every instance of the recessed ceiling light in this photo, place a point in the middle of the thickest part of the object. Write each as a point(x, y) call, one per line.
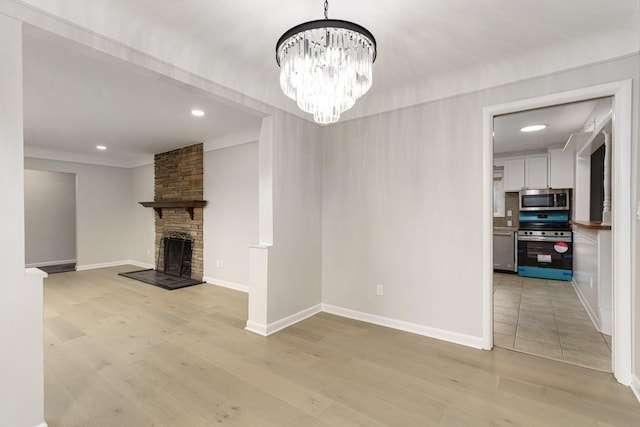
point(197, 113)
point(533, 128)
point(101, 147)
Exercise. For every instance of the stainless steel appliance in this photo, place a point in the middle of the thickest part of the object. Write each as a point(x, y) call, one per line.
point(545, 245)
point(504, 254)
point(544, 200)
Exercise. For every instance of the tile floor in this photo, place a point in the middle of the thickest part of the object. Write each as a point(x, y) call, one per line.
point(545, 318)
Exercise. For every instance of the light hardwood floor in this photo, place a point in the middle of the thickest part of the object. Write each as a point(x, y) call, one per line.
point(123, 353)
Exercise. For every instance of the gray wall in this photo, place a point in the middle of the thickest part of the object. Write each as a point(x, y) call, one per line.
point(231, 214)
point(402, 208)
point(142, 225)
point(103, 210)
point(295, 259)
point(50, 217)
point(403, 201)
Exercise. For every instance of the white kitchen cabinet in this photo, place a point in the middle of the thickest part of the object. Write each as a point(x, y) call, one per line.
point(592, 273)
point(513, 175)
point(525, 173)
point(561, 168)
point(535, 169)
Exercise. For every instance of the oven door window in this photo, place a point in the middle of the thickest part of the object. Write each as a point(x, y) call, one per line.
point(545, 255)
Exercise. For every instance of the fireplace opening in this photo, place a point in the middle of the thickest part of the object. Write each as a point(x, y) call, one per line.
point(175, 256)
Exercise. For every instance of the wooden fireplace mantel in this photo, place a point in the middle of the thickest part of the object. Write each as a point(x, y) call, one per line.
point(188, 205)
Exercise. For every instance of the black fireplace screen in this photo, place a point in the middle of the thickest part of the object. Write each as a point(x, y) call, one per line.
point(175, 256)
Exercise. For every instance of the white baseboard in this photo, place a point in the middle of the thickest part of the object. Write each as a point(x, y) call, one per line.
point(635, 386)
point(141, 264)
point(454, 337)
point(278, 325)
point(592, 314)
point(48, 263)
point(256, 328)
point(226, 284)
point(108, 264)
point(42, 424)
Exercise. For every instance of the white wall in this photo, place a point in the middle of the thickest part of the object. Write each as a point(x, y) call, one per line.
point(635, 254)
point(403, 201)
point(295, 259)
point(50, 217)
point(21, 353)
point(104, 198)
point(231, 214)
point(142, 220)
point(402, 204)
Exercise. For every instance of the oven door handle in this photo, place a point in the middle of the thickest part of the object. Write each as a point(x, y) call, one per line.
point(549, 239)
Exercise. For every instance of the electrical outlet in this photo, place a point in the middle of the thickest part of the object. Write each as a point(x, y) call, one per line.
point(219, 263)
point(379, 290)
point(148, 251)
point(590, 282)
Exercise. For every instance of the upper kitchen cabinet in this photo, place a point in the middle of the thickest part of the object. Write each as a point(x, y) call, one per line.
point(536, 173)
point(561, 168)
point(525, 173)
point(513, 175)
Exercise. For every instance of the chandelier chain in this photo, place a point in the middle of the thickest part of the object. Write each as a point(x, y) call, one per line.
point(326, 9)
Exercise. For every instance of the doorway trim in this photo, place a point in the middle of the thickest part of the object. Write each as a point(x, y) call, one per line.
point(621, 91)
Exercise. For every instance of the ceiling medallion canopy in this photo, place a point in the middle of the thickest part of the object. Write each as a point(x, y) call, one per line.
point(326, 65)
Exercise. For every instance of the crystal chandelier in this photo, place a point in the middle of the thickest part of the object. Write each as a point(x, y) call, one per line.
point(325, 65)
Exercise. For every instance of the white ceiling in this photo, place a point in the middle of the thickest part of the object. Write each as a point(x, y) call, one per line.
point(561, 122)
point(75, 100)
point(427, 49)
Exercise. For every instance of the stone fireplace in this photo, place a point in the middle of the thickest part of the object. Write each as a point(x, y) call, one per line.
point(178, 192)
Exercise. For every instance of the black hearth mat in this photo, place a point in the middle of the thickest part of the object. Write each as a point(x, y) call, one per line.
point(160, 279)
point(58, 268)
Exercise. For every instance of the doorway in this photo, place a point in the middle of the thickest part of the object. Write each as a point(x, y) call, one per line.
point(545, 302)
point(50, 220)
point(621, 201)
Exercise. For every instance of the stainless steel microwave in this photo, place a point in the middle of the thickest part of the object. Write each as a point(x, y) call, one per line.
point(544, 200)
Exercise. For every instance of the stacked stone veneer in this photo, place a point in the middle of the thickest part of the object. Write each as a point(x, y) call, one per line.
point(178, 176)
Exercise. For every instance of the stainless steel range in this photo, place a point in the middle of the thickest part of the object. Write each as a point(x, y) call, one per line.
point(545, 245)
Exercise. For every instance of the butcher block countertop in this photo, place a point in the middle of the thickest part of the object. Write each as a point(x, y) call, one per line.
point(591, 225)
